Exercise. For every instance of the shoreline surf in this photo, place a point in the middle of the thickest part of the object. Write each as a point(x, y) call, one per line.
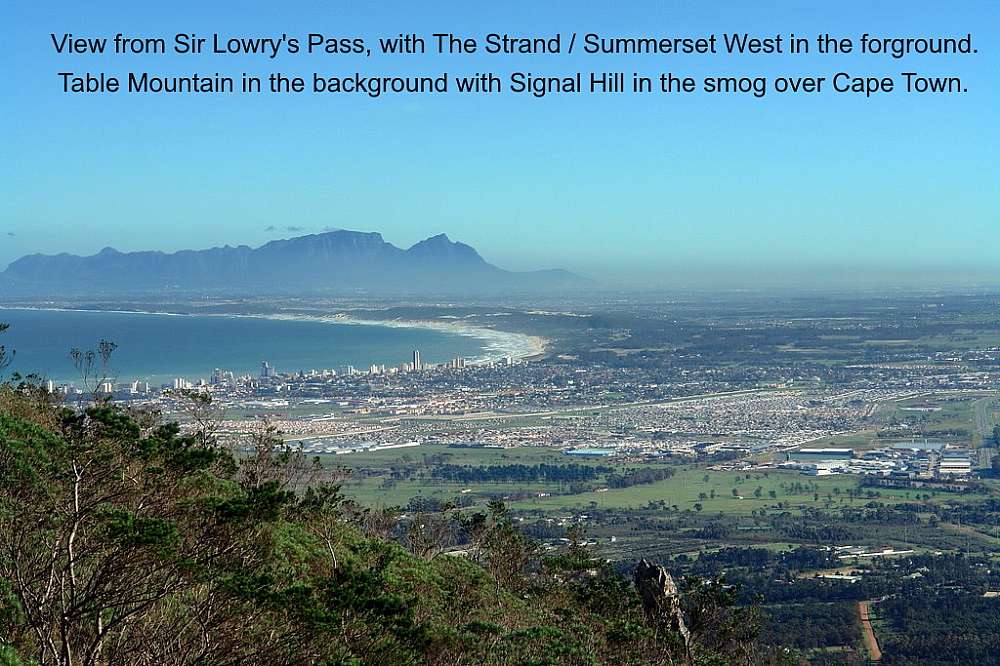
point(495, 344)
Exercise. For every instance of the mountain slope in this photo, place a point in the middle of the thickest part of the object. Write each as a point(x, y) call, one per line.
point(336, 260)
point(198, 555)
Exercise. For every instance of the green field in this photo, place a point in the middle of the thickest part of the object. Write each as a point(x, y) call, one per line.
point(377, 467)
point(371, 483)
point(793, 490)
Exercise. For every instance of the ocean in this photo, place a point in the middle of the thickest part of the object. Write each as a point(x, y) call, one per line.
point(158, 347)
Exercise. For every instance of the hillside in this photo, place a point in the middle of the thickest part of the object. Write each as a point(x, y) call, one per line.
point(123, 540)
point(331, 261)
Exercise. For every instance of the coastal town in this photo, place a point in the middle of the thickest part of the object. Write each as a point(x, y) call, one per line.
point(509, 402)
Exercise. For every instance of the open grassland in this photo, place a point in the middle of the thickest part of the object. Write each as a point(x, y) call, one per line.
point(375, 480)
point(713, 490)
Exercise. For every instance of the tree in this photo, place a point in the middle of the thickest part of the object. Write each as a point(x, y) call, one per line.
point(6, 356)
point(124, 544)
point(508, 551)
point(717, 624)
point(94, 366)
point(429, 533)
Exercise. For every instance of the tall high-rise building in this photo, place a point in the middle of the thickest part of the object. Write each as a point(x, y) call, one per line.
point(267, 370)
point(221, 377)
point(417, 365)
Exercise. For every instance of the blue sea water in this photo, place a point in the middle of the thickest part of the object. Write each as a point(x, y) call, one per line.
point(158, 347)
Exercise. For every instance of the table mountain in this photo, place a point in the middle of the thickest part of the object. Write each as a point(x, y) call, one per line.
point(335, 260)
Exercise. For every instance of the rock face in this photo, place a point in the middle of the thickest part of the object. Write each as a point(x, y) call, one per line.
point(335, 260)
point(661, 600)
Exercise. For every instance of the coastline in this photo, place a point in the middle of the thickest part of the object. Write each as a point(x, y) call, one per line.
point(496, 344)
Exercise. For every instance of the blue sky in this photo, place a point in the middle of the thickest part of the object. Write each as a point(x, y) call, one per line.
point(624, 189)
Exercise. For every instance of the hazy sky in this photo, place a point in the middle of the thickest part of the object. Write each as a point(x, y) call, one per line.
point(615, 187)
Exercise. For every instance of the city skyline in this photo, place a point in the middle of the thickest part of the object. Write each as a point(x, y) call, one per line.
point(268, 372)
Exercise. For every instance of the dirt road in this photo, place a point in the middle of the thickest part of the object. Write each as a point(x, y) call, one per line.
point(871, 643)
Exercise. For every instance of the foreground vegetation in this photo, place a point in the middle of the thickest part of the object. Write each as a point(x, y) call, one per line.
point(123, 540)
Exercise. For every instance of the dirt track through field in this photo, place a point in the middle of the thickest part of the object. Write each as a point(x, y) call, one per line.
point(871, 643)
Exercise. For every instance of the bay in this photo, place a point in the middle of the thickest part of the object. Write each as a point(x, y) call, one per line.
point(158, 347)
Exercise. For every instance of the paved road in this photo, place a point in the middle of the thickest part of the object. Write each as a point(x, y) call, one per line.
point(983, 410)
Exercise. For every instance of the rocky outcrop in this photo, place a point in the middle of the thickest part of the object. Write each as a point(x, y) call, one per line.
point(661, 600)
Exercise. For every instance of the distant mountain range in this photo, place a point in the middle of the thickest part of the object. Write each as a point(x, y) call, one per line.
point(331, 261)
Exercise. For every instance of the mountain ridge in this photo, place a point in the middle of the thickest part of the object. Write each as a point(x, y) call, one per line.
point(331, 260)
